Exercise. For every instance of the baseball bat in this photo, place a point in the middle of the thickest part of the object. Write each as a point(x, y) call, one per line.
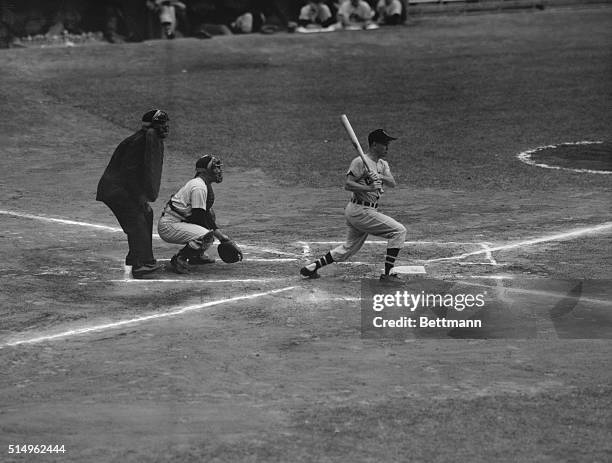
point(351, 133)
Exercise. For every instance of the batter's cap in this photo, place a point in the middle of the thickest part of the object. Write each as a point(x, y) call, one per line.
point(380, 136)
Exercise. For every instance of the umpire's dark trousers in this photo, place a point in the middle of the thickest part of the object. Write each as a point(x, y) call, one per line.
point(136, 220)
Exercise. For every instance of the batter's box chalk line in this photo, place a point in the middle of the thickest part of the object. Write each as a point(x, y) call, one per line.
point(142, 319)
point(307, 251)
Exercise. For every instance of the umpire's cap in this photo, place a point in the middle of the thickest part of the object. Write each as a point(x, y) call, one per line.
point(380, 136)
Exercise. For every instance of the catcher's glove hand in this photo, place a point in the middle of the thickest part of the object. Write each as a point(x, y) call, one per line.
point(229, 252)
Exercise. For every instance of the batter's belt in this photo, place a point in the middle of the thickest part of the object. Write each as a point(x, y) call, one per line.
point(364, 203)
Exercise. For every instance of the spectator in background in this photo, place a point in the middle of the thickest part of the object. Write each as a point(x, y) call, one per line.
point(116, 29)
point(389, 12)
point(167, 11)
point(315, 14)
point(356, 14)
point(248, 22)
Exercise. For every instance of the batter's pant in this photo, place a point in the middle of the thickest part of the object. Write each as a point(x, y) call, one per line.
point(174, 230)
point(136, 220)
point(363, 221)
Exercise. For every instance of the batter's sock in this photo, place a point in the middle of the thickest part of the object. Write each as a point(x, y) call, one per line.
point(321, 262)
point(390, 259)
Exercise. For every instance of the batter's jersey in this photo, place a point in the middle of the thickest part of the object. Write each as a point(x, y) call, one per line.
point(358, 170)
point(193, 195)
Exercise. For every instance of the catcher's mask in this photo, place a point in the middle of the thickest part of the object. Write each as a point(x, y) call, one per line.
point(212, 165)
point(157, 119)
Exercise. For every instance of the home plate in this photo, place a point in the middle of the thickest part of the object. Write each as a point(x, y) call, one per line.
point(409, 270)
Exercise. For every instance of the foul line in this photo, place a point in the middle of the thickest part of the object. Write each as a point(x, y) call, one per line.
point(132, 321)
point(63, 221)
point(117, 229)
point(170, 280)
point(544, 239)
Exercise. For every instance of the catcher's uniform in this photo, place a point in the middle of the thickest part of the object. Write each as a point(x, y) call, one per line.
point(362, 216)
point(174, 225)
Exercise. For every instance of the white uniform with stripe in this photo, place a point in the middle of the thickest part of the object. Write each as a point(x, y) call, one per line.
point(172, 226)
point(364, 219)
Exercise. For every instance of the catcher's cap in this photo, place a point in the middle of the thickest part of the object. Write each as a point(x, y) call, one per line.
point(205, 162)
point(380, 136)
point(155, 115)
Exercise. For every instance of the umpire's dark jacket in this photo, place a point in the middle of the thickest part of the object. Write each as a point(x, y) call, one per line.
point(134, 171)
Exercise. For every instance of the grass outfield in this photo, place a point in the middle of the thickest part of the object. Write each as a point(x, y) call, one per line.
point(117, 370)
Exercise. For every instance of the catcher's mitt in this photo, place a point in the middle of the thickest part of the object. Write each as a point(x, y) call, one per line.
point(229, 252)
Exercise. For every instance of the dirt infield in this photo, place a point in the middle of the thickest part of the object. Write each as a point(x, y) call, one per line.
point(249, 362)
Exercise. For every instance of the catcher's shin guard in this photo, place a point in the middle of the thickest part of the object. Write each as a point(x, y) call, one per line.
point(179, 264)
point(180, 261)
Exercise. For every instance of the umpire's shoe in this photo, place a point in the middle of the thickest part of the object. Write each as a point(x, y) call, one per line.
point(309, 273)
point(144, 270)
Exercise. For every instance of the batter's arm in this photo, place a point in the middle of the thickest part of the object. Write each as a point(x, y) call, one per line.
point(351, 184)
point(387, 177)
point(388, 180)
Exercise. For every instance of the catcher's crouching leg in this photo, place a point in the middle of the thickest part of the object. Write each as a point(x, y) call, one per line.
point(202, 258)
point(180, 261)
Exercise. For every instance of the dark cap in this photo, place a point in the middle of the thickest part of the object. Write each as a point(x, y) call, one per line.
point(204, 161)
point(380, 136)
point(155, 115)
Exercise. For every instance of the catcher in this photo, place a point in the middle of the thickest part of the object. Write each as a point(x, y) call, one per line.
point(189, 219)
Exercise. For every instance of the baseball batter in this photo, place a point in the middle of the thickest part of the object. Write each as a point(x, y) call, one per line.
point(361, 213)
point(189, 218)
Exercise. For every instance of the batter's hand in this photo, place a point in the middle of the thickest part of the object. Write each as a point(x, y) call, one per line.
point(376, 186)
point(375, 176)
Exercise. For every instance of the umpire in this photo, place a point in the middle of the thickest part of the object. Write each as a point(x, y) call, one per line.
point(132, 180)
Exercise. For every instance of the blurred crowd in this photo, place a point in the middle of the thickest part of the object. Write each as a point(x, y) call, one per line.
point(136, 20)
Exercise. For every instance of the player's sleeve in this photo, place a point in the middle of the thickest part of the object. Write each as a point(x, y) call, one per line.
point(356, 169)
point(198, 196)
point(199, 215)
point(152, 165)
point(386, 170)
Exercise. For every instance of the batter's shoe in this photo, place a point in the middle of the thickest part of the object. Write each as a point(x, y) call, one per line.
point(202, 260)
point(391, 277)
point(144, 270)
point(179, 264)
point(309, 273)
